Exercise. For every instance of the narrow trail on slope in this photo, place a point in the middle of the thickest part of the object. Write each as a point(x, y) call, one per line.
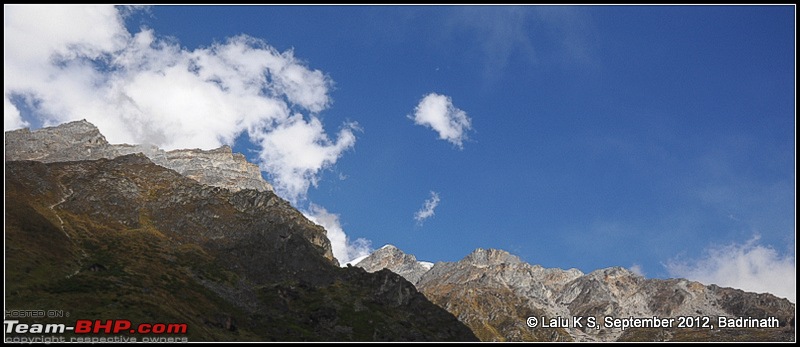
point(53, 206)
point(64, 230)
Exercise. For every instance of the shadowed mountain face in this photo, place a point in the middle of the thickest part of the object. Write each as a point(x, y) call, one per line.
point(493, 292)
point(124, 238)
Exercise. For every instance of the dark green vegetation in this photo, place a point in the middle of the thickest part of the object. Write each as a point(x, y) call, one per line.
point(127, 239)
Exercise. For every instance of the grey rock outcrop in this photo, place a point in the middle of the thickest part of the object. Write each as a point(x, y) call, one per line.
point(81, 140)
point(390, 257)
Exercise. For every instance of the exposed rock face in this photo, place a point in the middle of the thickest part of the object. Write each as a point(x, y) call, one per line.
point(125, 238)
point(67, 142)
point(81, 140)
point(493, 292)
point(389, 257)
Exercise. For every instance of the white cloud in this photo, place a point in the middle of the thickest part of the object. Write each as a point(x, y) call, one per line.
point(299, 149)
point(76, 62)
point(344, 249)
point(637, 269)
point(438, 113)
point(749, 266)
point(427, 209)
point(11, 117)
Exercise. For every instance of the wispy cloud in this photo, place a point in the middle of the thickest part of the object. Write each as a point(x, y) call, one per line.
point(74, 62)
point(749, 266)
point(637, 269)
point(438, 113)
point(344, 249)
point(428, 208)
point(500, 32)
point(555, 35)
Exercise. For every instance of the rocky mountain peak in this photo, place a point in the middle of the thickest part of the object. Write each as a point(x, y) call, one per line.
point(389, 247)
point(611, 274)
point(82, 129)
point(78, 140)
point(392, 258)
point(81, 140)
point(493, 291)
point(489, 257)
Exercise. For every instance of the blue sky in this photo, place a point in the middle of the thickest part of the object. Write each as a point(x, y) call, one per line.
point(658, 138)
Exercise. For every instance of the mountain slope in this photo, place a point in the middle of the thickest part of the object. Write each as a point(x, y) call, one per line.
point(124, 238)
point(493, 292)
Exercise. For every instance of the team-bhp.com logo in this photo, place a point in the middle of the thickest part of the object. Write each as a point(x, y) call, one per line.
point(87, 327)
